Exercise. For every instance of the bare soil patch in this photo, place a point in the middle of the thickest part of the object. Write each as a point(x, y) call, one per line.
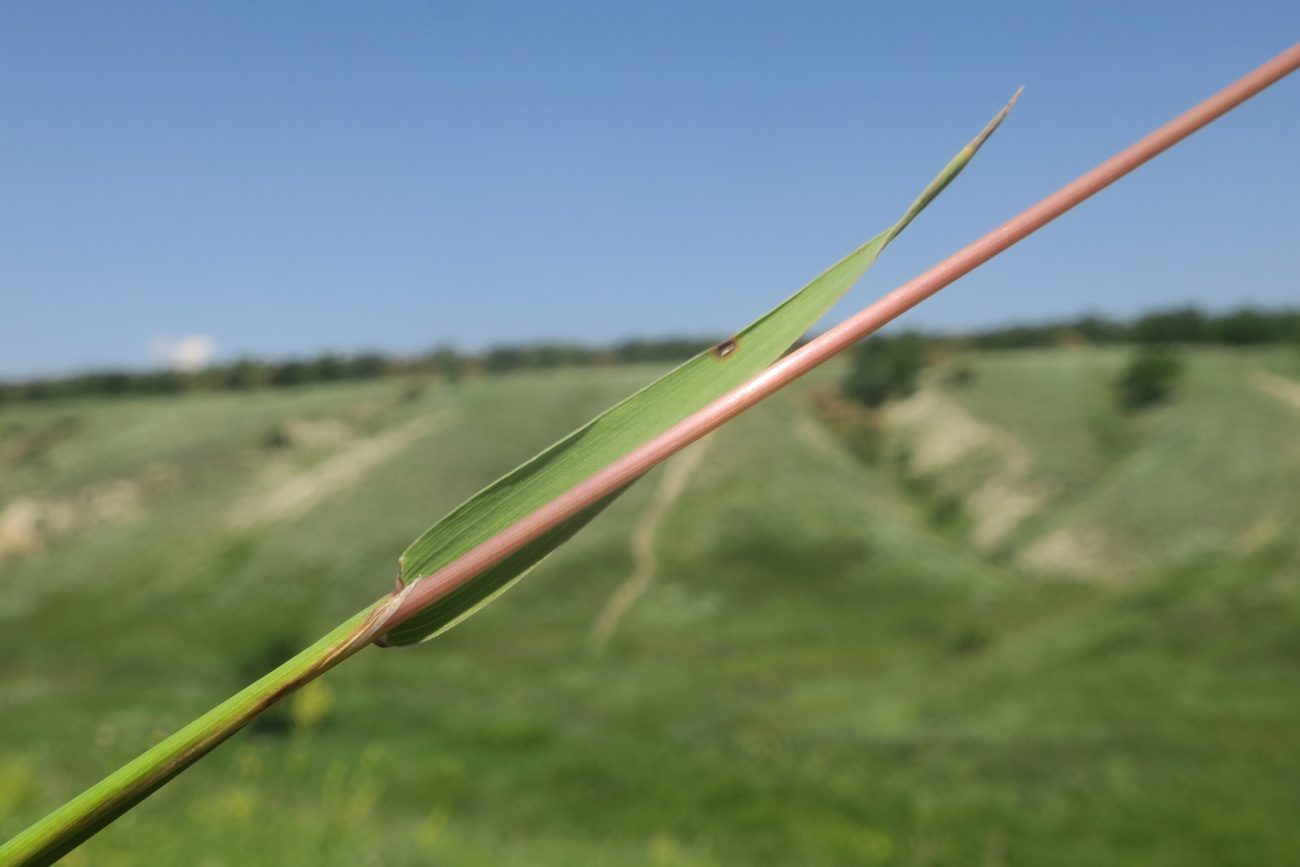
point(1278, 387)
point(28, 524)
point(285, 494)
point(942, 435)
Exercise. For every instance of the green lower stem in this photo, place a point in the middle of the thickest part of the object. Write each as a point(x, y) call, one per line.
point(81, 818)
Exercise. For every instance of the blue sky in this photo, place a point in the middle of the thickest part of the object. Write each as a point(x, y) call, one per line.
point(291, 178)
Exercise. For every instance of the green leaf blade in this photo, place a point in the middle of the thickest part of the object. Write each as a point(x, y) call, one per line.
point(621, 429)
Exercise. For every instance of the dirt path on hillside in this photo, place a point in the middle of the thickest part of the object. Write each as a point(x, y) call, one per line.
point(1278, 387)
point(676, 475)
point(943, 435)
point(292, 496)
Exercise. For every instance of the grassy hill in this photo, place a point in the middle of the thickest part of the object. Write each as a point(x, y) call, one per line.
point(1035, 631)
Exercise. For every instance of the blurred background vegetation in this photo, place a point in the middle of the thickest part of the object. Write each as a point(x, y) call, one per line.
point(948, 602)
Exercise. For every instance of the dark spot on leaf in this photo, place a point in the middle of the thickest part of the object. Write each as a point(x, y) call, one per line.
point(725, 349)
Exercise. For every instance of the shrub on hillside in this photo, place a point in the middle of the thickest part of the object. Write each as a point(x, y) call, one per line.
point(1148, 379)
point(883, 368)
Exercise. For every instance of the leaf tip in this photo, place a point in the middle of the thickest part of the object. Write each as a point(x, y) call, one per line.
point(996, 122)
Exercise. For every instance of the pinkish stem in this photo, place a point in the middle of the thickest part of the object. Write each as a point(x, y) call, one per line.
point(421, 594)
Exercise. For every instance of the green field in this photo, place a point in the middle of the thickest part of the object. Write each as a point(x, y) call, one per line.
point(1034, 630)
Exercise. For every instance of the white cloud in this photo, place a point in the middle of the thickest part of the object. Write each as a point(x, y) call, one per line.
point(190, 353)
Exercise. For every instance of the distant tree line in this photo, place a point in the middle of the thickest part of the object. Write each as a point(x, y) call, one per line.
point(1184, 325)
point(503, 359)
point(445, 363)
point(243, 374)
point(886, 365)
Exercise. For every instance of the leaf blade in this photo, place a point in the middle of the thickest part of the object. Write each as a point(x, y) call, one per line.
point(621, 429)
